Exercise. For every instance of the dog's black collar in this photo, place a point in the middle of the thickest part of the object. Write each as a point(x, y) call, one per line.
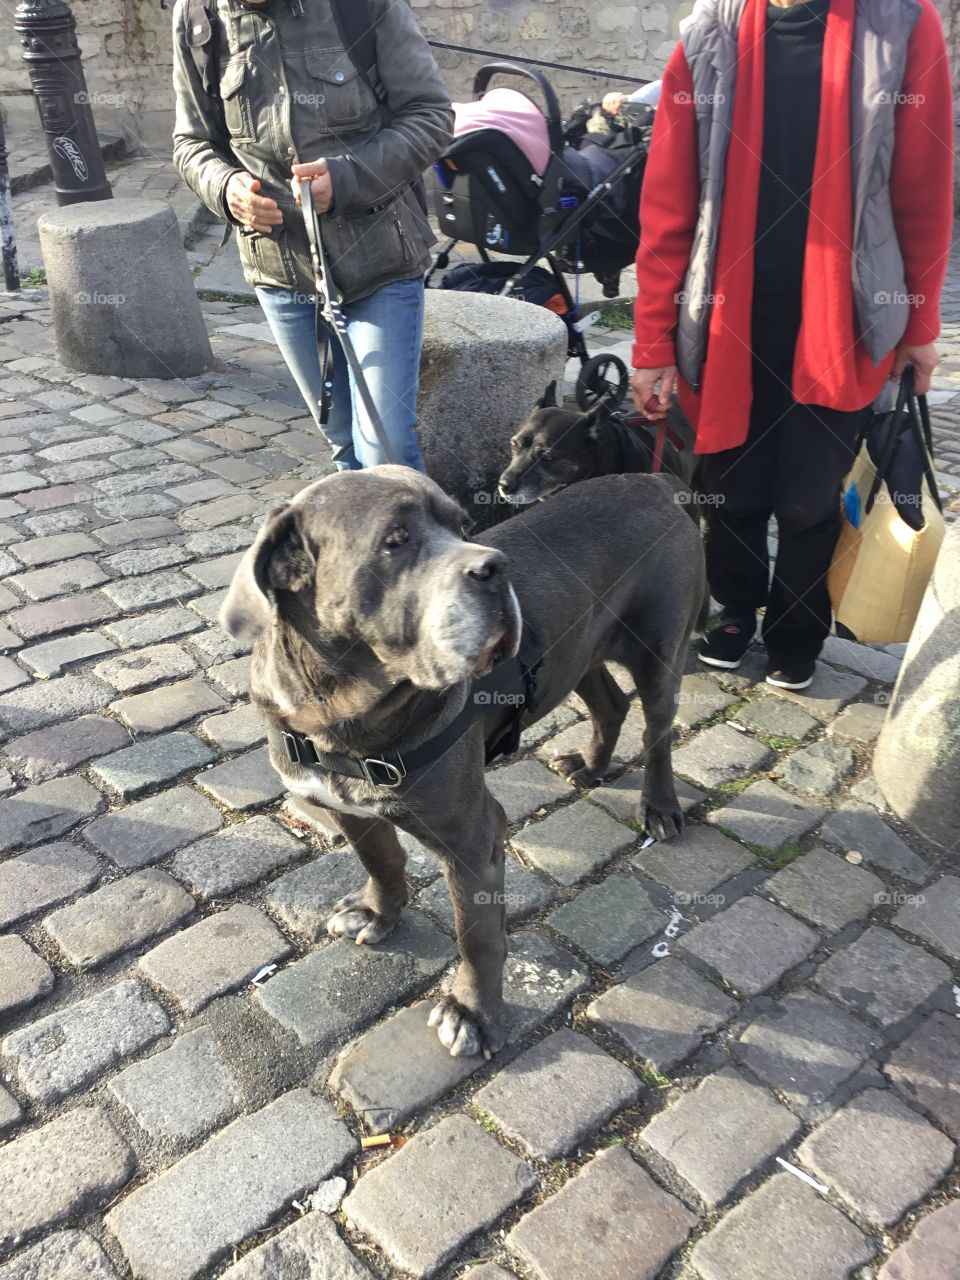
point(512, 683)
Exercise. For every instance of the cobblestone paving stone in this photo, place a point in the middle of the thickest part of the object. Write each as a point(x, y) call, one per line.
point(926, 1070)
point(879, 1155)
point(717, 1135)
point(65, 1255)
point(804, 1047)
point(176, 1023)
point(634, 1226)
point(556, 1093)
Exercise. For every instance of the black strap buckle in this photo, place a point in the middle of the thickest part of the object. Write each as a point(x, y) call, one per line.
point(383, 773)
point(299, 750)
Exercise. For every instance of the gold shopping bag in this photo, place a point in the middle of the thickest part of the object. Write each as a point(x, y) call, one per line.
point(891, 526)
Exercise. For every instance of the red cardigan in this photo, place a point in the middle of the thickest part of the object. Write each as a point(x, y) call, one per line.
point(831, 367)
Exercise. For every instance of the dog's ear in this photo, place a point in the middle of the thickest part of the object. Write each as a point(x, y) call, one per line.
point(549, 398)
point(596, 419)
point(279, 560)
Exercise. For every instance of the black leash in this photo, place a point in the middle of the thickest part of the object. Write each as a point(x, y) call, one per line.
point(328, 309)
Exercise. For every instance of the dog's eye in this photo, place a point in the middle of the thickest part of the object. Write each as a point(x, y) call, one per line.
point(397, 536)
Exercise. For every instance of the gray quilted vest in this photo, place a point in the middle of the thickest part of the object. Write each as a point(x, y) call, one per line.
point(881, 32)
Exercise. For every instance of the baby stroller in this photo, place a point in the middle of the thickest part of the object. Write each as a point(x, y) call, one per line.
point(514, 182)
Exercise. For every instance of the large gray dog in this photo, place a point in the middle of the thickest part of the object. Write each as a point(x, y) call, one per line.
point(372, 620)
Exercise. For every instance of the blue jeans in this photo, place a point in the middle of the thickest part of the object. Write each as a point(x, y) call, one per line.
point(386, 329)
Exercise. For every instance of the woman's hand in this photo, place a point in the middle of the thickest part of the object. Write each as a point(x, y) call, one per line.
point(924, 359)
point(255, 212)
point(644, 381)
point(321, 184)
point(612, 102)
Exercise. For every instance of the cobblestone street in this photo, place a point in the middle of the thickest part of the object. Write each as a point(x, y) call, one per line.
point(731, 1057)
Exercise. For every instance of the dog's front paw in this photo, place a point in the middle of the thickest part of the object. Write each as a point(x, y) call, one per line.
point(353, 918)
point(662, 821)
point(463, 1031)
point(573, 767)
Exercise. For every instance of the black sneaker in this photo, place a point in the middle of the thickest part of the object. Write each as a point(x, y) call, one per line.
point(725, 644)
point(791, 673)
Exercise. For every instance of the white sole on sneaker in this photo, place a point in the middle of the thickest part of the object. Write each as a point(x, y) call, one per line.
point(719, 662)
point(790, 684)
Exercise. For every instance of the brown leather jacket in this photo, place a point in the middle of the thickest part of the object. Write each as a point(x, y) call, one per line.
point(290, 94)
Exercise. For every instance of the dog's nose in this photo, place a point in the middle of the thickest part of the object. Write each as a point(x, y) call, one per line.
point(487, 568)
point(506, 486)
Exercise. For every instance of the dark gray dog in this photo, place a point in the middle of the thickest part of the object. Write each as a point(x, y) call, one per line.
point(555, 447)
point(372, 618)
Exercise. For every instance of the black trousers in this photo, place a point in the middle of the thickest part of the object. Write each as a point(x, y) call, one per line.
point(791, 466)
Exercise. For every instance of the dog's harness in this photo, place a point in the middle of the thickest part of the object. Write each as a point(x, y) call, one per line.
point(512, 683)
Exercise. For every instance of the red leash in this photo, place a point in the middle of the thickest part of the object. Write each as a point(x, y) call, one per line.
point(664, 433)
point(657, 463)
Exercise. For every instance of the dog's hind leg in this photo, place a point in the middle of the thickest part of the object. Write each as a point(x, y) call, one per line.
point(608, 706)
point(368, 916)
point(658, 684)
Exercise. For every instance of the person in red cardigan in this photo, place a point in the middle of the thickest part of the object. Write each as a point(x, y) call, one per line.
point(786, 381)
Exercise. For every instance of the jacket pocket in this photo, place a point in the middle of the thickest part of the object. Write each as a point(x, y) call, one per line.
point(336, 90)
point(266, 259)
point(416, 229)
point(237, 105)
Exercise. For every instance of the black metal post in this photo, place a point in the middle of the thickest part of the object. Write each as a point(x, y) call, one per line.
point(11, 272)
point(48, 37)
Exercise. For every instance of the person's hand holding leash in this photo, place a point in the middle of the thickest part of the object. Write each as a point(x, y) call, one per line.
point(924, 359)
point(255, 212)
point(321, 184)
point(645, 398)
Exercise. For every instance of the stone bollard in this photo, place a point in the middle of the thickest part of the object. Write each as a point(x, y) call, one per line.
point(485, 363)
point(121, 291)
point(917, 757)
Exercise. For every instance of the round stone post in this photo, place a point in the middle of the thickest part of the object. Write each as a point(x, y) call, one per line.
point(121, 292)
point(48, 38)
point(917, 758)
point(485, 363)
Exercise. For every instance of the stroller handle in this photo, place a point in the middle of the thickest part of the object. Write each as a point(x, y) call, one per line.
point(481, 82)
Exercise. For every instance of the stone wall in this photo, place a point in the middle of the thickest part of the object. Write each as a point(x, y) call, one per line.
point(126, 57)
point(126, 52)
point(615, 38)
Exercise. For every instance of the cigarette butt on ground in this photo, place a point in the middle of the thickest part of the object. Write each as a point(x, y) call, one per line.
point(383, 1140)
point(376, 1140)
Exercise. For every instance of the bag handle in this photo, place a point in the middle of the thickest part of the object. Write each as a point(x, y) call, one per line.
point(920, 420)
point(888, 447)
point(918, 416)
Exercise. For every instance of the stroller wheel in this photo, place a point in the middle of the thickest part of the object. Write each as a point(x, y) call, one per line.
point(602, 378)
